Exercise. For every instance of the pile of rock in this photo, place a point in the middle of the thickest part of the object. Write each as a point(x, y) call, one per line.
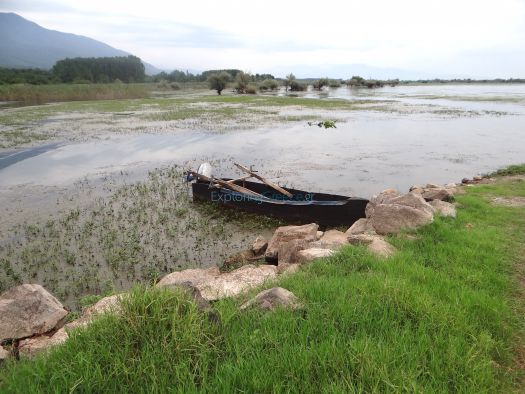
point(33, 320)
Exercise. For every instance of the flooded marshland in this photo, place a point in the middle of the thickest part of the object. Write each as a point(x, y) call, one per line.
point(92, 197)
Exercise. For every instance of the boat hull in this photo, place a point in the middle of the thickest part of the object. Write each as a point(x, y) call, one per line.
point(327, 210)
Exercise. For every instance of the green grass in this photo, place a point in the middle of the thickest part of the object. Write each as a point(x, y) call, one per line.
point(440, 316)
point(517, 169)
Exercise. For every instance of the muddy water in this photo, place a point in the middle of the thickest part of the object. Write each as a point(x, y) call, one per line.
point(361, 156)
point(62, 222)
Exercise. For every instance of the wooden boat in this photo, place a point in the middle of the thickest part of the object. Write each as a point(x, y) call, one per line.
point(290, 205)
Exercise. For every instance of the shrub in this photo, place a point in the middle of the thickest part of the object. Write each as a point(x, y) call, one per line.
point(242, 80)
point(251, 89)
point(218, 81)
point(297, 86)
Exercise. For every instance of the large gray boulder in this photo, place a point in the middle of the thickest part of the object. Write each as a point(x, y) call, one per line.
point(361, 226)
point(31, 346)
point(333, 239)
point(393, 218)
point(374, 243)
point(4, 354)
point(389, 213)
point(215, 285)
point(287, 251)
point(259, 246)
point(272, 299)
point(28, 310)
point(307, 255)
point(381, 198)
point(308, 232)
point(444, 208)
point(439, 193)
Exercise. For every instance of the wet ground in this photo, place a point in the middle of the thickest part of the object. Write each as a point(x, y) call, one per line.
point(100, 200)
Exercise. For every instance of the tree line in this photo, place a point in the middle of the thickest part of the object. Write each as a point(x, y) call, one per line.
point(100, 69)
point(80, 70)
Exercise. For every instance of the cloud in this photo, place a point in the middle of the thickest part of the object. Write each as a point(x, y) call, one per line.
point(429, 36)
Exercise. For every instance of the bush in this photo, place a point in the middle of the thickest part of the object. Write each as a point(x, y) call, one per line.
point(251, 89)
point(242, 80)
point(218, 81)
point(297, 86)
point(319, 84)
point(269, 84)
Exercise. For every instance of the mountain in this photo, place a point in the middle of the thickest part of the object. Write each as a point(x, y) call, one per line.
point(24, 44)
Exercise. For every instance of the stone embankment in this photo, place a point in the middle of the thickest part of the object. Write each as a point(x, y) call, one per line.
point(33, 320)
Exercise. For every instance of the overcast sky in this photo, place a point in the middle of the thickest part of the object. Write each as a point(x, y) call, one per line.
point(475, 38)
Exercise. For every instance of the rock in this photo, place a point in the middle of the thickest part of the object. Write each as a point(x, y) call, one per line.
point(361, 226)
point(432, 186)
point(27, 310)
point(4, 354)
point(286, 269)
point(287, 253)
point(239, 259)
point(31, 346)
point(412, 200)
point(477, 178)
point(437, 194)
point(381, 248)
point(307, 255)
point(381, 198)
point(259, 246)
point(450, 185)
point(374, 243)
point(272, 299)
point(444, 208)
point(318, 235)
point(361, 239)
point(213, 285)
point(392, 218)
point(417, 191)
point(308, 232)
point(333, 239)
point(415, 187)
point(104, 305)
point(465, 181)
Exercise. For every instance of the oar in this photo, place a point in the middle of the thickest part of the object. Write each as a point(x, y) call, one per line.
point(269, 183)
point(227, 185)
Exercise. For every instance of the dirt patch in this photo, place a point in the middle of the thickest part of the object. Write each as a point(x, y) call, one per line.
point(509, 201)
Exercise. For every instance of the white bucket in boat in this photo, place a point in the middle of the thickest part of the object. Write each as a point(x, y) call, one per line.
point(205, 169)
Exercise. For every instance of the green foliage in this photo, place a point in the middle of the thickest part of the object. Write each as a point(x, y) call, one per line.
point(218, 81)
point(100, 69)
point(269, 84)
point(290, 78)
point(296, 86)
point(436, 317)
point(327, 124)
point(160, 340)
point(30, 76)
point(320, 83)
point(517, 169)
point(242, 79)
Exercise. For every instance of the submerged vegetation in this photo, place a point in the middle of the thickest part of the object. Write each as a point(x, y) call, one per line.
point(142, 231)
point(442, 315)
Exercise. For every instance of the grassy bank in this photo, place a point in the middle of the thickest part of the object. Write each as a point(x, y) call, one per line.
point(40, 94)
point(443, 315)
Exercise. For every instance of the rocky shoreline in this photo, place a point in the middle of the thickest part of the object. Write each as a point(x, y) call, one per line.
point(33, 320)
